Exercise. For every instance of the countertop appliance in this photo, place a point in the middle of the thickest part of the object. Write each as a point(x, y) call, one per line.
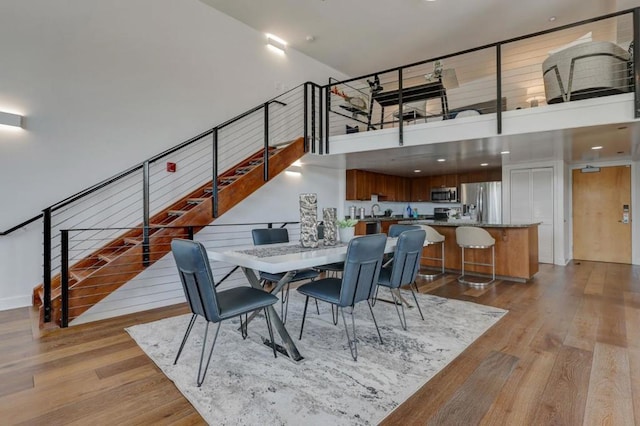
point(444, 195)
point(441, 213)
point(485, 197)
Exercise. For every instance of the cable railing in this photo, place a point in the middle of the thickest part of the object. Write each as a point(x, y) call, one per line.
point(158, 285)
point(105, 214)
point(588, 59)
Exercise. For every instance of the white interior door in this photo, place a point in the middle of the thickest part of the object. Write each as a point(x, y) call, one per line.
point(532, 194)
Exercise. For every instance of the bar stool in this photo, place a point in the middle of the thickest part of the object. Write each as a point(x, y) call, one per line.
point(472, 237)
point(434, 237)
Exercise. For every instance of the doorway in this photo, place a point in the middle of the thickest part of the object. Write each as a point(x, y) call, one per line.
point(602, 214)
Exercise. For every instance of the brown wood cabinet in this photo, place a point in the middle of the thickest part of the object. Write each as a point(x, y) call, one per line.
point(362, 184)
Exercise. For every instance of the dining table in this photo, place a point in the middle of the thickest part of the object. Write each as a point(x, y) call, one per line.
point(282, 258)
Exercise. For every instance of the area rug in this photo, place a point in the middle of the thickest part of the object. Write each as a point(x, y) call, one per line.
point(246, 385)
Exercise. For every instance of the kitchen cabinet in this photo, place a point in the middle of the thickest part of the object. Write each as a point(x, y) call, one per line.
point(444, 181)
point(360, 184)
point(484, 175)
point(421, 189)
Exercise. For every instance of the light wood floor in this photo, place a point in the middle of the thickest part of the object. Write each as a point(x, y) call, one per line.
point(567, 353)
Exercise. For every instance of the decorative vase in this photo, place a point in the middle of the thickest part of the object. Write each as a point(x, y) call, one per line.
point(346, 234)
point(308, 220)
point(329, 217)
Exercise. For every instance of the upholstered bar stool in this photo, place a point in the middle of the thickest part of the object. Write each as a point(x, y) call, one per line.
point(434, 237)
point(474, 238)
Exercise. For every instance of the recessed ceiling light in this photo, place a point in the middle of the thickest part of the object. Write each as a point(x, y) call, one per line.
point(552, 18)
point(417, 171)
point(484, 164)
point(504, 152)
point(596, 147)
point(441, 160)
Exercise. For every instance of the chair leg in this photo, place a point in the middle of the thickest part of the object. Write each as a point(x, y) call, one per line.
point(304, 315)
point(201, 373)
point(375, 322)
point(244, 326)
point(375, 296)
point(186, 335)
point(353, 344)
point(334, 316)
point(273, 342)
point(403, 318)
point(317, 308)
point(416, 298)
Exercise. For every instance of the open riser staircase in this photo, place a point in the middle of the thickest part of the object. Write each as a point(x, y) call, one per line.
point(97, 275)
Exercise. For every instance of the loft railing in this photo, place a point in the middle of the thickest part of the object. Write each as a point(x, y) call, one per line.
point(160, 284)
point(518, 73)
point(135, 195)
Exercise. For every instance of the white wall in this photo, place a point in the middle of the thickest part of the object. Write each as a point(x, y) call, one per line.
point(104, 85)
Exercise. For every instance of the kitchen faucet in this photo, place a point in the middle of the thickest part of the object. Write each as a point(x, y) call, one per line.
point(375, 209)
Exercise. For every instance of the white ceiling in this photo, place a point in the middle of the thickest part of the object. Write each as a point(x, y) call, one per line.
point(360, 37)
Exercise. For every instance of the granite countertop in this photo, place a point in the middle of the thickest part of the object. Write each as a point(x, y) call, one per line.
point(467, 223)
point(386, 218)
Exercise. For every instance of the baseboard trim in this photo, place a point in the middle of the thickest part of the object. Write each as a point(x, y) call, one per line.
point(7, 303)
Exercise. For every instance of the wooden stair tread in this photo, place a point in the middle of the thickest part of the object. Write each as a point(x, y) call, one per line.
point(114, 260)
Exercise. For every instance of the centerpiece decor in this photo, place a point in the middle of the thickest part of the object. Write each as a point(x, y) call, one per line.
point(346, 229)
point(309, 220)
point(329, 217)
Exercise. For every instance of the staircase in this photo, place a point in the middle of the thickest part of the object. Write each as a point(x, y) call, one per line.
point(96, 276)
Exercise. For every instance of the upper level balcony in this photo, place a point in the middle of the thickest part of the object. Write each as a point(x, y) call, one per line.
point(576, 76)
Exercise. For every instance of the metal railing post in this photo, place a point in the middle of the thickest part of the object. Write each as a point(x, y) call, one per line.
point(400, 110)
point(46, 265)
point(327, 106)
point(145, 214)
point(324, 113)
point(214, 180)
point(64, 277)
point(305, 113)
point(313, 118)
point(636, 60)
point(266, 141)
point(499, 87)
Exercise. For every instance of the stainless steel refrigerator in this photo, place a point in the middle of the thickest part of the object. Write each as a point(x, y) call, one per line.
point(485, 198)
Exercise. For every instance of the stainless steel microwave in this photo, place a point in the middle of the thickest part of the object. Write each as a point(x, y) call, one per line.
point(444, 195)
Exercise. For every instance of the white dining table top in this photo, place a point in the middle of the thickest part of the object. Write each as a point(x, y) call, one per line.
point(285, 262)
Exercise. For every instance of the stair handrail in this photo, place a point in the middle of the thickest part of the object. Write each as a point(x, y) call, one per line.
point(139, 166)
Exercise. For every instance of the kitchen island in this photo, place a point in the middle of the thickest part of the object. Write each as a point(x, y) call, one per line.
point(516, 249)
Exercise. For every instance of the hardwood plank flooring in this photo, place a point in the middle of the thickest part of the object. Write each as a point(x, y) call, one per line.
point(568, 352)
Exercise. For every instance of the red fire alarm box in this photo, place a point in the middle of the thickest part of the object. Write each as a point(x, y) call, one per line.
point(171, 167)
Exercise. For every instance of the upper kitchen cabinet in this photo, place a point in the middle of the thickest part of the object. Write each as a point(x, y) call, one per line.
point(359, 184)
point(421, 189)
point(444, 181)
point(484, 175)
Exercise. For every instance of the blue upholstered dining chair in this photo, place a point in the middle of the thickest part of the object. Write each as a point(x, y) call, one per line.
point(200, 291)
point(404, 268)
point(280, 235)
point(394, 232)
point(361, 272)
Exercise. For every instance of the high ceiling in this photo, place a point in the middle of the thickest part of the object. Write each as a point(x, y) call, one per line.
point(359, 37)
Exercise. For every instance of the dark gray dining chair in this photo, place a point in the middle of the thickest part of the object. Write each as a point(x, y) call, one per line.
point(280, 235)
point(394, 232)
point(361, 272)
point(404, 268)
point(215, 307)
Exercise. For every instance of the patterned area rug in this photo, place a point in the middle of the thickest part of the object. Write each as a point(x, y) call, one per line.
point(246, 385)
